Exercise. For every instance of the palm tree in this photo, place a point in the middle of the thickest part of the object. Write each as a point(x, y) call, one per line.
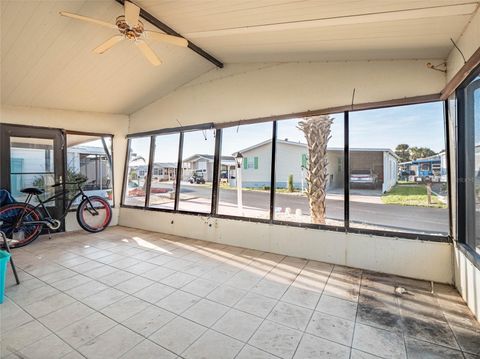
point(317, 133)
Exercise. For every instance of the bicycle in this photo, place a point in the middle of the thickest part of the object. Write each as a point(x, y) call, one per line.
point(23, 222)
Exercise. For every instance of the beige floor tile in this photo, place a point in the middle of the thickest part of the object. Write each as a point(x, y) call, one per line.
point(290, 315)
point(178, 301)
point(87, 289)
point(238, 325)
point(417, 349)
point(379, 342)
point(158, 273)
point(249, 352)
point(149, 320)
point(226, 295)
point(112, 344)
point(22, 336)
point(256, 304)
point(200, 287)
point(154, 292)
point(302, 297)
point(72, 282)
point(276, 339)
point(48, 305)
point(66, 316)
point(116, 277)
point(332, 328)
point(86, 329)
point(338, 307)
point(148, 350)
point(125, 308)
point(12, 316)
point(178, 334)
point(205, 312)
point(134, 284)
point(50, 347)
point(213, 345)
point(312, 347)
point(104, 298)
point(178, 280)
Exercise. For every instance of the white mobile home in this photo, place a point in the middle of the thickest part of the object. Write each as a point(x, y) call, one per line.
point(292, 159)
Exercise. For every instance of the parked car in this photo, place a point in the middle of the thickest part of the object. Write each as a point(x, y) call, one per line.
point(363, 178)
point(197, 178)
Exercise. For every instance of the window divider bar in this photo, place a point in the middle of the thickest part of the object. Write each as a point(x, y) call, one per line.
point(179, 172)
point(150, 171)
point(125, 172)
point(446, 116)
point(272, 173)
point(217, 161)
point(346, 170)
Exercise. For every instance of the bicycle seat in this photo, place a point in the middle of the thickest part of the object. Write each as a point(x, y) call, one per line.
point(32, 190)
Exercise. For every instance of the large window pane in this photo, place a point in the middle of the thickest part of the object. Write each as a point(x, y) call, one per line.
point(197, 171)
point(164, 172)
point(136, 181)
point(471, 110)
point(398, 169)
point(31, 165)
point(245, 190)
point(294, 162)
point(89, 158)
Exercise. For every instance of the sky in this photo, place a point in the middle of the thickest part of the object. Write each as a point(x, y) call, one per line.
point(416, 125)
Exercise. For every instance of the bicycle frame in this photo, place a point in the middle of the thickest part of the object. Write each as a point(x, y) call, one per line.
point(48, 219)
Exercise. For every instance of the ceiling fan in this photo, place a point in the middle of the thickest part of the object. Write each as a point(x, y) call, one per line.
point(131, 28)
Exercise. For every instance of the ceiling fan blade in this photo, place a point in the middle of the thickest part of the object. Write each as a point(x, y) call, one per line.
point(148, 52)
point(108, 44)
point(89, 19)
point(174, 40)
point(132, 12)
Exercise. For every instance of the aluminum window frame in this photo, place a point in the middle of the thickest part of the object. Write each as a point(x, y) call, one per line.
point(345, 228)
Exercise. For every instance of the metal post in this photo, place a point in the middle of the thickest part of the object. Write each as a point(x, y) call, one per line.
point(346, 170)
point(239, 190)
point(272, 174)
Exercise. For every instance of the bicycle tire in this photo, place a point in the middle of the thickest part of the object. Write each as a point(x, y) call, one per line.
point(82, 209)
point(8, 215)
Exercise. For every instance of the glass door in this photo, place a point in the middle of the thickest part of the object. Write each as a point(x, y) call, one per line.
point(32, 157)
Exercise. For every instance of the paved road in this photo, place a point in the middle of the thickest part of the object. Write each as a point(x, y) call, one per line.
point(402, 218)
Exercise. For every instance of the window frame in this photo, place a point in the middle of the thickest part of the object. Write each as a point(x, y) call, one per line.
point(346, 163)
point(111, 155)
point(465, 164)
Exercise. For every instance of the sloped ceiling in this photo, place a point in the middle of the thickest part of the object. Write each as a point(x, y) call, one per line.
point(46, 59)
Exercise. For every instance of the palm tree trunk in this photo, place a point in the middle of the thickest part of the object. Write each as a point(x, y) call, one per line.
point(317, 133)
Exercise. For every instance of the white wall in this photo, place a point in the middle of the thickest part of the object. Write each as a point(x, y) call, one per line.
point(78, 121)
point(243, 91)
point(467, 281)
point(467, 276)
point(410, 258)
point(468, 42)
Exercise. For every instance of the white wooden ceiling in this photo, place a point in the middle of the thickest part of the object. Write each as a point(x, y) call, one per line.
point(46, 59)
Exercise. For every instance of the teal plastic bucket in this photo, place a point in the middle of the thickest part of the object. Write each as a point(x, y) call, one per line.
point(4, 258)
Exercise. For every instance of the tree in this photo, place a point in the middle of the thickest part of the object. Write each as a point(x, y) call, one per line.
point(420, 152)
point(290, 183)
point(403, 153)
point(317, 133)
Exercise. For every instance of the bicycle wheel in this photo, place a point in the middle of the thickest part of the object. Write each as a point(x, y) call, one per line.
point(24, 233)
point(94, 214)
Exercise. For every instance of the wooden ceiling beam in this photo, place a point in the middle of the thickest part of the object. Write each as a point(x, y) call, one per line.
point(168, 30)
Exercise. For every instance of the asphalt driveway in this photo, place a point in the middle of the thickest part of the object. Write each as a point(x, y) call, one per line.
point(363, 212)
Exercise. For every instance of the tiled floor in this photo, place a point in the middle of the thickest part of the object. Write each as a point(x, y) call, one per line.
point(135, 294)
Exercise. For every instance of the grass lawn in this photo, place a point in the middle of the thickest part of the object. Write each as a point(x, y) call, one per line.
point(411, 195)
